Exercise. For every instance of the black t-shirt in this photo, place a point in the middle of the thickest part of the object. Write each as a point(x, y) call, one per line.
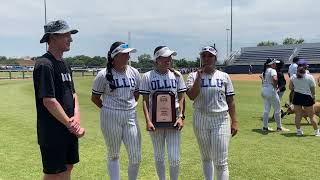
point(53, 78)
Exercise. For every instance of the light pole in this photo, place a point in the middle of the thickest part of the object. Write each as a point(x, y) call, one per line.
point(231, 31)
point(129, 43)
point(227, 30)
point(45, 18)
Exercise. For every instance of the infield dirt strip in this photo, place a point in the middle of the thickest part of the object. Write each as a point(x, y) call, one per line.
point(255, 77)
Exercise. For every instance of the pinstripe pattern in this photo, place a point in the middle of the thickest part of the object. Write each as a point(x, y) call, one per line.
point(122, 98)
point(118, 118)
point(212, 131)
point(171, 137)
point(150, 83)
point(214, 89)
point(271, 98)
point(117, 126)
point(211, 123)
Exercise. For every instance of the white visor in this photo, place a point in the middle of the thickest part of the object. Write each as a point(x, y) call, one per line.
point(164, 52)
point(209, 49)
point(274, 61)
point(123, 48)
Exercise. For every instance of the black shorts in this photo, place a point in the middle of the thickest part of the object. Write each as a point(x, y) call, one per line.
point(302, 99)
point(56, 157)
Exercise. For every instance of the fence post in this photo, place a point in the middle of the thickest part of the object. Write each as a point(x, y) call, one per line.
point(22, 74)
point(10, 74)
point(82, 72)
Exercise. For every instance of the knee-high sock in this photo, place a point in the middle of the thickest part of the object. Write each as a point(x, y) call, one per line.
point(114, 169)
point(161, 170)
point(133, 170)
point(207, 170)
point(174, 172)
point(222, 172)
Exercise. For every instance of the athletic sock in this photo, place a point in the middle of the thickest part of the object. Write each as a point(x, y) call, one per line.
point(133, 170)
point(207, 170)
point(114, 169)
point(161, 170)
point(174, 172)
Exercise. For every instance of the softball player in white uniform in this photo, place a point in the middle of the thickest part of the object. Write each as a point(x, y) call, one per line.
point(212, 93)
point(119, 84)
point(164, 79)
point(270, 95)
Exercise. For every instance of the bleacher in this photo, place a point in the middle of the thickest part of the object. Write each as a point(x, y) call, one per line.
point(256, 56)
point(311, 54)
point(259, 57)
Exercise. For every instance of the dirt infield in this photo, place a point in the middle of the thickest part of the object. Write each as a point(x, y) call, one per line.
point(255, 77)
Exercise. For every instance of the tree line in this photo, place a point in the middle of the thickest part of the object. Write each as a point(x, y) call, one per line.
point(286, 41)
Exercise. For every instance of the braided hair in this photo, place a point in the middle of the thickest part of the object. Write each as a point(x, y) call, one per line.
point(109, 75)
point(175, 72)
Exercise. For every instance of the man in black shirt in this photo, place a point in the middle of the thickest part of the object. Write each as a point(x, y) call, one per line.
point(58, 115)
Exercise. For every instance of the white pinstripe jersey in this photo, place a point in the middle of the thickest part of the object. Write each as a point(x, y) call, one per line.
point(213, 91)
point(153, 81)
point(122, 98)
point(267, 79)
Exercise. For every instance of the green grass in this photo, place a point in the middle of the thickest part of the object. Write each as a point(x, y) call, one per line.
point(252, 155)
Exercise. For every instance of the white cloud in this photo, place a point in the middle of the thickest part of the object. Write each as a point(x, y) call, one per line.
point(180, 21)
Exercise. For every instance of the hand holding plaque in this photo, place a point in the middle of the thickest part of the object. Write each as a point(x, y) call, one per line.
point(163, 109)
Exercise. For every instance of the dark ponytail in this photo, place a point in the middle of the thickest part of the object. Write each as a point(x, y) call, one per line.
point(265, 66)
point(109, 75)
point(301, 70)
point(264, 69)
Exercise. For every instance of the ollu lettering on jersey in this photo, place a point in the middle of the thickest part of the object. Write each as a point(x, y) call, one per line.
point(66, 77)
point(163, 84)
point(123, 83)
point(211, 83)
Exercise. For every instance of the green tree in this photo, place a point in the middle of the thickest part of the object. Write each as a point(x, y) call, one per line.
point(290, 40)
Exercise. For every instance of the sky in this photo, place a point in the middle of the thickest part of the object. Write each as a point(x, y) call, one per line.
point(183, 25)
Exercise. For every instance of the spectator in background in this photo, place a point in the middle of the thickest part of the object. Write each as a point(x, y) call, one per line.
point(292, 70)
point(270, 96)
point(303, 85)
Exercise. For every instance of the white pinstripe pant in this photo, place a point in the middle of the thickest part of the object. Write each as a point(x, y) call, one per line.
point(213, 132)
point(170, 136)
point(271, 98)
point(117, 126)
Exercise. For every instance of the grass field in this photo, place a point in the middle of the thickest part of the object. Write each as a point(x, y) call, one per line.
point(252, 155)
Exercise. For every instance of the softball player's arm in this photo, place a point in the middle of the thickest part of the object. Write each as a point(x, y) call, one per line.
point(138, 81)
point(231, 105)
point(233, 115)
point(181, 89)
point(99, 85)
point(193, 84)
point(144, 89)
point(149, 124)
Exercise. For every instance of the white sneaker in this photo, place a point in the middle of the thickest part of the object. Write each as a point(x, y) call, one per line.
point(299, 132)
point(317, 133)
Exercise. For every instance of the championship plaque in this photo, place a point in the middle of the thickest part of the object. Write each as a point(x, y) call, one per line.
point(163, 109)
